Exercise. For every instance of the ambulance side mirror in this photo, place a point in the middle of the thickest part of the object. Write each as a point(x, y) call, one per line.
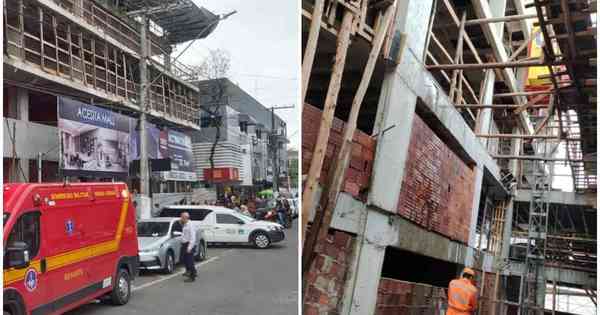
point(17, 255)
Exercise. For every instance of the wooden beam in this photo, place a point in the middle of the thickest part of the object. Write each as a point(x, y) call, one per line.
point(323, 218)
point(531, 93)
point(466, 36)
point(316, 165)
point(523, 46)
point(491, 65)
point(458, 56)
point(516, 136)
point(508, 18)
point(536, 158)
point(497, 106)
point(311, 45)
point(534, 100)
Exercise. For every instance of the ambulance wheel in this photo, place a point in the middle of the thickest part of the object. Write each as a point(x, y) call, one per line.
point(261, 240)
point(201, 255)
point(169, 263)
point(13, 303)
point(122, 288)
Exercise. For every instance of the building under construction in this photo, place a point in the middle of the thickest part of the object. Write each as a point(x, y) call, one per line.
point(113, 54)
point(442, 134)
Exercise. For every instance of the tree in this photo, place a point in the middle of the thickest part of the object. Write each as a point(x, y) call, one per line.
point(213, 93)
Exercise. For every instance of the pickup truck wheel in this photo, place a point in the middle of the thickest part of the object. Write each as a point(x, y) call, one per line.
point(201, 253)
point(169, 263)
point(122, 288)
point(261, 240)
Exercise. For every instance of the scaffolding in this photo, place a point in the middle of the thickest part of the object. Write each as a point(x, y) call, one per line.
point(86, 46)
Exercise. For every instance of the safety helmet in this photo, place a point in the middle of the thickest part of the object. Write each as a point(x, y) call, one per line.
point(469, 271)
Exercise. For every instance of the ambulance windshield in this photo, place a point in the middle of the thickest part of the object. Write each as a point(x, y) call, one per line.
point(152, 229)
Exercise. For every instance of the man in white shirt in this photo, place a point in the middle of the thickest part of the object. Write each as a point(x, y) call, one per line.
point(188, 247)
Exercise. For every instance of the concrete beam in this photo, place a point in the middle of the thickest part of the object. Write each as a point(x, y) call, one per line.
point(564, 276)
point(557, 197)
point(369, 253)
point(484, 11)
point(35, 70)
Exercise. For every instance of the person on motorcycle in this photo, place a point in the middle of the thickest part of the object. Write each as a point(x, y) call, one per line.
point(288, 213)
point(281, 212)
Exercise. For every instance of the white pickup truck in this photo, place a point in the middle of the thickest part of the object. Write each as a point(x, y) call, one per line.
point(223, 225)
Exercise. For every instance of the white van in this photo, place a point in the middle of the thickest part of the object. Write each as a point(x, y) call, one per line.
point(223, 225)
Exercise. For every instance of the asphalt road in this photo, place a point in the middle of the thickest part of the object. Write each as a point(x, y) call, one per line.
point(232, 280)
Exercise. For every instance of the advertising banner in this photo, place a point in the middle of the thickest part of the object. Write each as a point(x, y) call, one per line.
point(179, 147)
point(94, 142)
point(165, 144)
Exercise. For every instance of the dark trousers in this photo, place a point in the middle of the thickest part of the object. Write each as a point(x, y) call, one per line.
point(188, 260)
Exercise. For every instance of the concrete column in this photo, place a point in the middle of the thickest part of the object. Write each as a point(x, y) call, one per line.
point(22, 104)
point(515, 150)
point(12, 102)
point(498, 8)
point(396, 108)
point(484, 119)
point(470, 260)
point(360, 295)
point(167, 61)
point(508, 215)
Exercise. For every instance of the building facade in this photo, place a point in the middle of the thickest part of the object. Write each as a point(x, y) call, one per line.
point(88, 54)
point(452, 162)
point(242, 142)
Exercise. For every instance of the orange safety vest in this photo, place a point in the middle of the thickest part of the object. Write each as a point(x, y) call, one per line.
point(462, 297)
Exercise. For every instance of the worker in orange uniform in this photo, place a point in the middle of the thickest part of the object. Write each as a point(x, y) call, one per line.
point(462, 294)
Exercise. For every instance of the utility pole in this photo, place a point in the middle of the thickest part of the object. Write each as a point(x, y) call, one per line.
point(144, 171)
point(275, 148)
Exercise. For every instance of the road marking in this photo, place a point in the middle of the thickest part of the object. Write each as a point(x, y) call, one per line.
point(165, 278)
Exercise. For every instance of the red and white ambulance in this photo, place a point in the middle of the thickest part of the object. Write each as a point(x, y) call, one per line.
point(66, 244)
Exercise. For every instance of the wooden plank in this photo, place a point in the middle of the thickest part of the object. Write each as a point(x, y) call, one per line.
point(55, 44)
point(82, 57)
point(41, 20)
point(323, 218)
point(534, 100)
point(311, 45)
point(457, 55)
point(333, 90)
point(467, 39)
point(70, 43)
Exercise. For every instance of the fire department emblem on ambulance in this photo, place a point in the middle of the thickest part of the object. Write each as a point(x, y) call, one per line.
point(31, 280)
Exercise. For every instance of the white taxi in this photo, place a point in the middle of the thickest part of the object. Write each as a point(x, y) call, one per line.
point(223, 225)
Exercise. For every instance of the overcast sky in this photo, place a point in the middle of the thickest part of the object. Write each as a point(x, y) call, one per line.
point(262, 40)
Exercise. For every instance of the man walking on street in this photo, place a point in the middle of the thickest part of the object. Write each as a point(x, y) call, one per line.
point(462, 294)
point(188, 247)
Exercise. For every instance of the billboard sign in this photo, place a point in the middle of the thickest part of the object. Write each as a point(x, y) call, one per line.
point(179, 147)
point(94, 142)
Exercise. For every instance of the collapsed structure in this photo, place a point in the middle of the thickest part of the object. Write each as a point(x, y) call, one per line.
point(116, 57)
point(435, 135)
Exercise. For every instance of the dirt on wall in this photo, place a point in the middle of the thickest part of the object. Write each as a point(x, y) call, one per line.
point(327, 275)
point(437, 189)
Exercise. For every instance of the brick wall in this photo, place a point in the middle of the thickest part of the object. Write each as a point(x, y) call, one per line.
point(396, 297)
point(486, 290)
point(363, 151)
point(437, 190)
point(325, 280)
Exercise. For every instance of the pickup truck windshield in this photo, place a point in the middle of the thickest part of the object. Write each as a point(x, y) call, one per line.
point(152, 229)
